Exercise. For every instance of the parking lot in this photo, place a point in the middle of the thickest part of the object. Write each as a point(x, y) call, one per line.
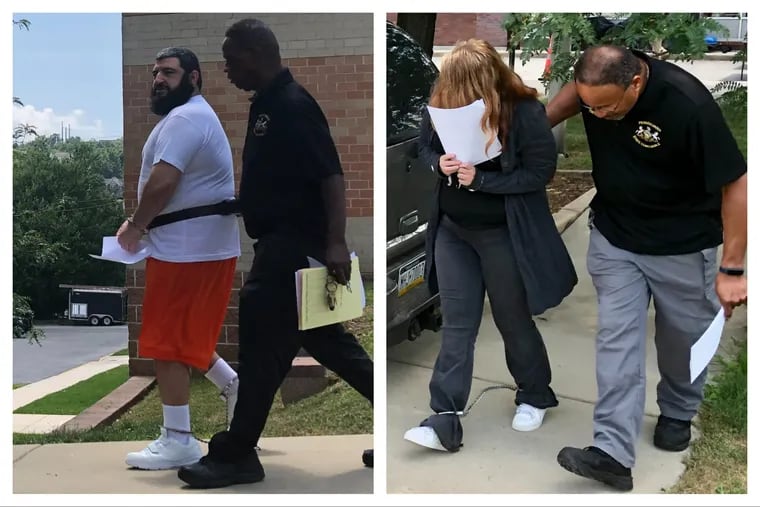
point(63, 348)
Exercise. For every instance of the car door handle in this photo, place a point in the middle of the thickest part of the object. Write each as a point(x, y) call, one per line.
point(408, 223)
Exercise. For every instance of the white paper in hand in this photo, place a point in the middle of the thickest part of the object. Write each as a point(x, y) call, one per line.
point(461, 134)
point(112, 251)
point(704, 349)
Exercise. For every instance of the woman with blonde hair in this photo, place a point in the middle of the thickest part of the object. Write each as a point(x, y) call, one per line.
point(491, 231)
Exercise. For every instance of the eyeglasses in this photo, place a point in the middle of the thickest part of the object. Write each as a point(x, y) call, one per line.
point(606, 109)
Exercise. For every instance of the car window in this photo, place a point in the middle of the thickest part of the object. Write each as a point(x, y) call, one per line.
point(411, 74)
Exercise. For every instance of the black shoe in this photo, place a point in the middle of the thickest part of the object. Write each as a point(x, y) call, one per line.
point(672, 434)
point(594, 463)
point(368, 458)
point(208, 473)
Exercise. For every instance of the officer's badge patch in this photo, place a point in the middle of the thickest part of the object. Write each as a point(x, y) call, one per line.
point(648, 134)
point(262, 125)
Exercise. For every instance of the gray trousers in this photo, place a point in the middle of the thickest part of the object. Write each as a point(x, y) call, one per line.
point(683, 290)
point(468, 263)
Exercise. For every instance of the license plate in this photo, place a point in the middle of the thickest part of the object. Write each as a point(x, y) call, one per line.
point(410, 276)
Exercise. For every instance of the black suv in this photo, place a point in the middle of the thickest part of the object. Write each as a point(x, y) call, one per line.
point(411, 306)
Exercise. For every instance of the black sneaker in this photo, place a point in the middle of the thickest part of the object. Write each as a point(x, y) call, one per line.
point(368, 458)
point(672, 434)
point(594, 463)
point(208, 473)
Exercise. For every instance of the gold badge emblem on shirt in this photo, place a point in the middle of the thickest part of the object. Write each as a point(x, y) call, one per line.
point(262, 125)
point(648, 134)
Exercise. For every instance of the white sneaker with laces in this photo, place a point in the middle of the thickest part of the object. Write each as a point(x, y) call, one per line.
point(230, 395)
point(165, 453)
point(424, 436)
point(527, 417)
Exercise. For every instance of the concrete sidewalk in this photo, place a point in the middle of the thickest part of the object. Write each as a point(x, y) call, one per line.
point(497, 459)
point(44, 423)
point(325, 464)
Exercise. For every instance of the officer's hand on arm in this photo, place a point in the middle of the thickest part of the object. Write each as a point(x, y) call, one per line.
point(564, 105)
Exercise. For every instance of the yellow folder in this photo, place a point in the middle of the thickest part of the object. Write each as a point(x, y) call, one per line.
point(311, 297)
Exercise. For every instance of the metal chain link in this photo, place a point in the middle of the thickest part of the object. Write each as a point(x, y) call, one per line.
point(466, 411)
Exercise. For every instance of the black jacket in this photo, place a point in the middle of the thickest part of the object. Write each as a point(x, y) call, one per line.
point(528, 163)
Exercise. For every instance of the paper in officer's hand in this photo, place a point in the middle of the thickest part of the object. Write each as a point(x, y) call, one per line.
point(461, 134)
point(704, 349)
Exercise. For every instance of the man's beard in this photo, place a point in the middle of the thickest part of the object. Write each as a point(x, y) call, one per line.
point(161, 105)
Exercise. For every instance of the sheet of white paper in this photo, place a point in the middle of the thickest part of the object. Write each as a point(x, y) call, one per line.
point(461, 134)
point(704, 349)
point(112, 251)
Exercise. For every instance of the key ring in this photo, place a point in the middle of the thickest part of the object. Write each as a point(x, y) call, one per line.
point(331, 286)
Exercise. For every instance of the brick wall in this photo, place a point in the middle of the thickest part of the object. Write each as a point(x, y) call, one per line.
point(452, 27)
point(329, 54)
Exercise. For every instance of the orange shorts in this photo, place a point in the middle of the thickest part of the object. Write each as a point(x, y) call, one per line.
point(183, 309)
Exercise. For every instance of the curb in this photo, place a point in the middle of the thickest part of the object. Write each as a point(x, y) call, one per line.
point(111, 406)
point(570, 212)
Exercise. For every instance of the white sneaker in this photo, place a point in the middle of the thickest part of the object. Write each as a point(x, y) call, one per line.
point(230, 395)
point(528, 418)
point(424, 436)
point(165, 453)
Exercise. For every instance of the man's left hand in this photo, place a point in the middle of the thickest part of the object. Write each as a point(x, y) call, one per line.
point(128, 237)
point(339, 262)
point(731, 290)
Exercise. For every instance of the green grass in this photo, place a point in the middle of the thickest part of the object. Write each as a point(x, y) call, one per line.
point(338, 410)
point(122, 352)
point(16, 386)
point(718, 459)
point(576, 147)
point(76, 398)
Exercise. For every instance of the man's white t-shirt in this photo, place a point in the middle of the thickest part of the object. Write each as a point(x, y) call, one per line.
point(192, 139)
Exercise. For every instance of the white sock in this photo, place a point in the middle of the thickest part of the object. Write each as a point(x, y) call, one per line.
point(221, 374)
point(177, 417)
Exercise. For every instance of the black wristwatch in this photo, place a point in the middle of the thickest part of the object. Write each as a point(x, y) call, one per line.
point(731, 271)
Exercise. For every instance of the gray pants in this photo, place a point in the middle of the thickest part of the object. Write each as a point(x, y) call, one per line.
point(683, 290)
point(470, 262)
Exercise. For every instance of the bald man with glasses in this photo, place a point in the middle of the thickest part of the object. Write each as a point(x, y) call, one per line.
point(671, 186)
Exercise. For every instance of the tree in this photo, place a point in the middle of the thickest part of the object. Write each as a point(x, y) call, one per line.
point(61, 211)
point(421, 26)
point(22, 24)
point(680, 36)
point(21, 131)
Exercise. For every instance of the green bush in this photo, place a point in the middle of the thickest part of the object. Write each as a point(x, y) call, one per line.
point(734, 101)
point(23, 319)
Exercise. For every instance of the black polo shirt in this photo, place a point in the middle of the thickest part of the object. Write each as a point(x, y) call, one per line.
point(659, 171)
point(288, 152)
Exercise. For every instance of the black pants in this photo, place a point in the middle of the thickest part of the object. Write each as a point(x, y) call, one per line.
point(270, 340)
point(469, 263)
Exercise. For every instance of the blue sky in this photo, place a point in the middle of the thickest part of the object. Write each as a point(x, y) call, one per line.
point(67, 67)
